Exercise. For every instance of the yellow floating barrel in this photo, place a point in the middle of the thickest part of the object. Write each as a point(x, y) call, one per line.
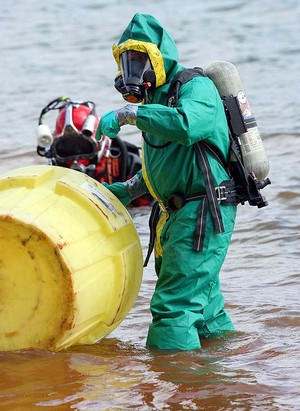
point(70, 259)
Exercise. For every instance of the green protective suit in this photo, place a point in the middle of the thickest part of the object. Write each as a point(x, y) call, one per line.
point(187, 302)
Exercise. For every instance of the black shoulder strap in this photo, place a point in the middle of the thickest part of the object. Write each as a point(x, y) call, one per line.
point(180, 78)
point(204, 166)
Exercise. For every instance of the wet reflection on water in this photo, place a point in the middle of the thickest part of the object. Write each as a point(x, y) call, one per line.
point(118, 376)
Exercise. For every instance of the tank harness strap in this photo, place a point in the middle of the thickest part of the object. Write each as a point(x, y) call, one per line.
point(153, 220)
point(199, 233)
point(204, 166)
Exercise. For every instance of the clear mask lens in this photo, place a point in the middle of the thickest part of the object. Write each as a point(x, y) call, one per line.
point(133, 65)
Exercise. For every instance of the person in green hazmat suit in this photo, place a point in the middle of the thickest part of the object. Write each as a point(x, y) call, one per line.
point(187, 303)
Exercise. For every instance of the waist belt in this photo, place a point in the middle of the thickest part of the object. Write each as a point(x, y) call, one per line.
point(225, 193)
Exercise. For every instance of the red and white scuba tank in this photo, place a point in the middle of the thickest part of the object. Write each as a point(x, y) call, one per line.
point(228, 82)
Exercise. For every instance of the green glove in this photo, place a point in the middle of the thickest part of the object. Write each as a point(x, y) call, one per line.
point(119, 190)
point(111, 122)
point(108, 126)
point(128, 190)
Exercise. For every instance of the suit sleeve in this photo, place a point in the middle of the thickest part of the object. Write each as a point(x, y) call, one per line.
point(193, 118)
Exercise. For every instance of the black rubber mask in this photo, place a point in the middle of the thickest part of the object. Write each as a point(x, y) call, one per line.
point(137, 76)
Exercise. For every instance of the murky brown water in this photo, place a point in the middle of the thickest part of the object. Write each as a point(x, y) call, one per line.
point(58, 48)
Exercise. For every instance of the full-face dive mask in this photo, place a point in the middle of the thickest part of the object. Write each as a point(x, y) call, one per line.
point(72, 144)
point(137, 76)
